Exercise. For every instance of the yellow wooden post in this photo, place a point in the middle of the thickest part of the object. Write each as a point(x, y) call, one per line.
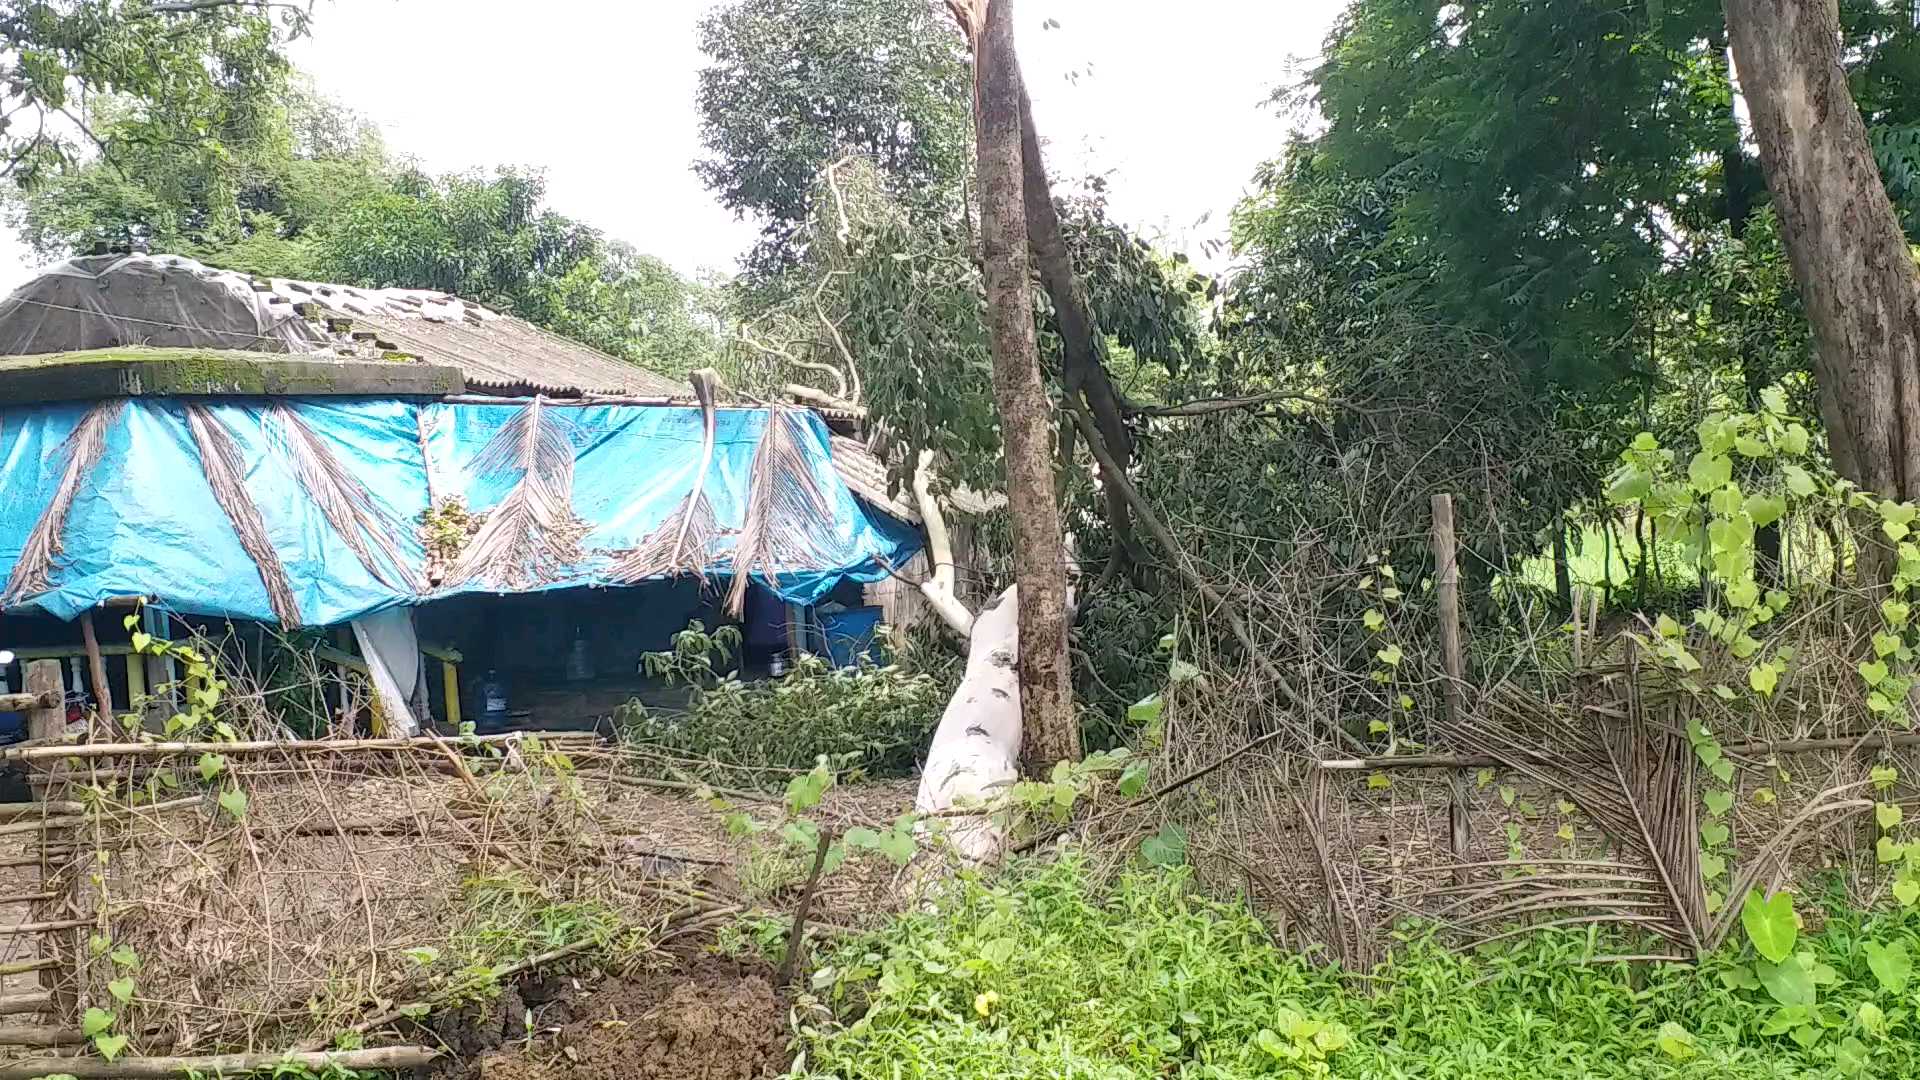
point(450, 674)
point(136, 682)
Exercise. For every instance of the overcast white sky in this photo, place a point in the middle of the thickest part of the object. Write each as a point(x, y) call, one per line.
point(1169, 101)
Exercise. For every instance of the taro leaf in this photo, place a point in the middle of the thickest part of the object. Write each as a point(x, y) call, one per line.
point(1890, 964)
point(1168, 847)
point(1771, 926)
point(1789, 983)
point(1675, 1041)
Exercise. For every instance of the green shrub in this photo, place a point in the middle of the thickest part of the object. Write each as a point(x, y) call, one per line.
point(871, 720)
point(1040, 975)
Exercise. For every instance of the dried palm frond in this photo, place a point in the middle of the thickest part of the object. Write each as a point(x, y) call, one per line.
point(1634, 776)
point(532, 535)
point(786, 510)
point(226, 473)
point(679, 544)
point(33, 573)
point(368, 530)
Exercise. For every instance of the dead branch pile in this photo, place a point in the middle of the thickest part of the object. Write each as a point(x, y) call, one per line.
point(248, 897)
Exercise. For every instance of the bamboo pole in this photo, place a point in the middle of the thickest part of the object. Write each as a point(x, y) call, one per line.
point(1864, 741)
point(1446, 565)
point(15, 1004)
point(36, 1035)
point(16, 811)
point(27, 702)
point(276, 746)
point(168, 1068)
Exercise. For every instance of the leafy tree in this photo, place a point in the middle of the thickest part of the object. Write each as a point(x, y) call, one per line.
point(198, 71)
point(308, 192)
point(260, 208)
point(792, 85)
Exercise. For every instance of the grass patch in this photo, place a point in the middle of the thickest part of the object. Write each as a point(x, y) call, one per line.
point(1040, 975)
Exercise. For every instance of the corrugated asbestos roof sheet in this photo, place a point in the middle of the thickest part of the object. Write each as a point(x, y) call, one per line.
point(109, 301)
point(866, 476)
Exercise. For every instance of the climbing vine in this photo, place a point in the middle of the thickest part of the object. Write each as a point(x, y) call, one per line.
point(1755, 471)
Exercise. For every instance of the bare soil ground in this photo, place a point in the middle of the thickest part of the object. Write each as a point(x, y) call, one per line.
point(696, 1016)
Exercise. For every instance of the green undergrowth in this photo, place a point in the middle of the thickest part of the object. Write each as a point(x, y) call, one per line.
point(871, 720)
point(1041, 975)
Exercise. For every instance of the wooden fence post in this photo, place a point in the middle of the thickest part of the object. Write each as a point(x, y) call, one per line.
point(1446, 587)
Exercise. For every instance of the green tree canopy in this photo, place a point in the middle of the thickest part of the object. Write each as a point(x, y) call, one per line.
point(791, 85)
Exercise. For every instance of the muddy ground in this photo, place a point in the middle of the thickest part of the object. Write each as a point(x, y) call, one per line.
point(701, 1017)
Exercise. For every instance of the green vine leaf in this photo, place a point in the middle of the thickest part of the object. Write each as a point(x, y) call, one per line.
point(1888, 815)
point(1708, 472)
point(95, 1021)
point(1719, 802)
point(234, 801)
point(109, 1045)
point(121, 988)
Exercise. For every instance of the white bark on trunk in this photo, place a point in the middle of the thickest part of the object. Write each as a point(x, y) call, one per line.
point(939, 589)
point(975, 752)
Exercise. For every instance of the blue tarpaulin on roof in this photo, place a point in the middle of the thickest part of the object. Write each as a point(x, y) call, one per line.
point(144, 520)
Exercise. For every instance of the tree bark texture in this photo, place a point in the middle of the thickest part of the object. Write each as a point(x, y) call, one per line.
point(1850, 260)
point(1052, 731)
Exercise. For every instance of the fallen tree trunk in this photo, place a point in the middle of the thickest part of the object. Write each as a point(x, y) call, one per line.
point(975, 752)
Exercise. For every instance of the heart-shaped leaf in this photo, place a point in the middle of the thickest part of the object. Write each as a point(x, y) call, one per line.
point(1712, 866)
point(1906, 891)
point(1706, 472)
point(1763, 678)
point(1714, 833)
point(109, 1045)
point(1722, 771)
point(1886, 644)
point(1874, 672)
point(1886, 850)
point(1789, 983)
point(234, 801)
point(1888, 815)
point(1168, 847)
point(95, 1021)
point(1770, 925)
point(121, 989)
point(1719, 802)
point(141, 641)
point(1890, 963)
point(211, 764)
point(1765, 509)
point(1373, 619)
point(1390, 656)
point(1799, 481)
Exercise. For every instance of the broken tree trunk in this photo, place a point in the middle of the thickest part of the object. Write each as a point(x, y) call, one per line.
point(975, 752)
